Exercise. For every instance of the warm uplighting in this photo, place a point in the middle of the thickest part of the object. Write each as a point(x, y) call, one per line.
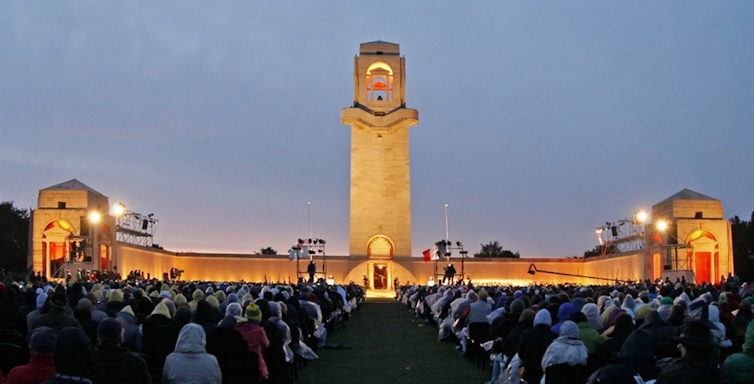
point(661, 225)
point(640, 216)
point(431, 282)
point(94, 217)
point(119, 209)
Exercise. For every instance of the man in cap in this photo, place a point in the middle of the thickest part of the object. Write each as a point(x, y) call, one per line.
point(114, 363)
point(41, 367)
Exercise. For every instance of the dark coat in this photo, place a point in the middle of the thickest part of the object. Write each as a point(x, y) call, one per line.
point(155, 343)
point(237, 363)
point(635, 358)
point(532, 348)
point(118, 365)
point(694, 369)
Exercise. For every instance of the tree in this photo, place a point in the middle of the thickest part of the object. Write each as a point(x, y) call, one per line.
point(597, 250)
point(742, 233)
point(267, 251)
point(14, 237)
point(494, 249)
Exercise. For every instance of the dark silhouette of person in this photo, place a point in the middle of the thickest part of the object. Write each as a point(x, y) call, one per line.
point(311, 269)
point(450, 272)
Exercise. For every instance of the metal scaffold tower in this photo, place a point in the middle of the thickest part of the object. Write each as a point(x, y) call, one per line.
point(135, 228)
point(625, 235)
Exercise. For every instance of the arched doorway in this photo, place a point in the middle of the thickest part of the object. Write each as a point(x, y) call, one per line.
point(55, 248)
point(105, 241)
point(380, 250)
point(703, 252)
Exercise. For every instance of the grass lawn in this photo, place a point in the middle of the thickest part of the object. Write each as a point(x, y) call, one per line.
point(389, 345)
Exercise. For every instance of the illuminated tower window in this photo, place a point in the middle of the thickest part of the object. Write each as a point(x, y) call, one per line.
point(379, 82)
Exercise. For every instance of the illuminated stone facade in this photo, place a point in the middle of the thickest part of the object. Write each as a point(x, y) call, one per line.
point(63, 236)
point(697, 241)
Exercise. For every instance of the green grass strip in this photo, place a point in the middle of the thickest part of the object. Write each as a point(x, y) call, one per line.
point(388, 344)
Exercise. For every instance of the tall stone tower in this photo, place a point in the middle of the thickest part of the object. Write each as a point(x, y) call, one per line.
point(380, 177)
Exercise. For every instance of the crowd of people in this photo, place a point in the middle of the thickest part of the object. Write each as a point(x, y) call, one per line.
point(641, 332)
point(152, 331)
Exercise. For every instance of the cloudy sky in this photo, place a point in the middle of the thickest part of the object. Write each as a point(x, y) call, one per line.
point(539, 121)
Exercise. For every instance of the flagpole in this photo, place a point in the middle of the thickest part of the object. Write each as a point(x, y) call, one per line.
point(447, 233)
point(309, 216)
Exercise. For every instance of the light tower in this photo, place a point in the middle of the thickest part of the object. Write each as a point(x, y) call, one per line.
point(380, 225)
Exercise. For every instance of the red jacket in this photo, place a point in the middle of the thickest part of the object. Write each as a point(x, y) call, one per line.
point(257, 340)
point(40, 369)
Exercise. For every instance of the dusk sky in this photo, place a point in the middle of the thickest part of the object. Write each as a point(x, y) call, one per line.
point(538, 121)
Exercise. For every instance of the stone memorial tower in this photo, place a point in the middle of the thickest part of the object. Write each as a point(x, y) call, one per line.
point(380, 226)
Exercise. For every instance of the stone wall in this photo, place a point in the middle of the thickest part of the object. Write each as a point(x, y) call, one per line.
point(258, 268)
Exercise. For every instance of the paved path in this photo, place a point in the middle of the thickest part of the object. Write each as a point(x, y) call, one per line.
point(384, 343)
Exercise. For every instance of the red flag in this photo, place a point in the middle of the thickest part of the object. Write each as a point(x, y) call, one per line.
point(426, 255)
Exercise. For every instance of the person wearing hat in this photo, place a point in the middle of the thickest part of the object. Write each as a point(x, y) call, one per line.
point(114, 363)
point(699, 358)
point(41, 367)
point(57, 318)
point(255, 336)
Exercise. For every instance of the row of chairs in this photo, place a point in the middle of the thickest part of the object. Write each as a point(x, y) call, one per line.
point(13, 348)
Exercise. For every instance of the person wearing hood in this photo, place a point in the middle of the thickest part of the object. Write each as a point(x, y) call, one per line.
point(278, 353)
point(533, 345)
point(741, 365)
point(718, 331)
point(132, 338)
point(115, 303)
point(196, 296)
point(502, 325)
point(592, 316)
point(190, 362)
point(589, 336)
point(32, 316)
point(611, 347)
point(634, 358)
point(206, 316)
point(666, 307)
point(564, 313)
point(566, 358)
point(154, 330)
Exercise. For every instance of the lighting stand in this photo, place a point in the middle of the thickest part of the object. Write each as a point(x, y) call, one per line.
point(444, 249)
point(309, 249)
